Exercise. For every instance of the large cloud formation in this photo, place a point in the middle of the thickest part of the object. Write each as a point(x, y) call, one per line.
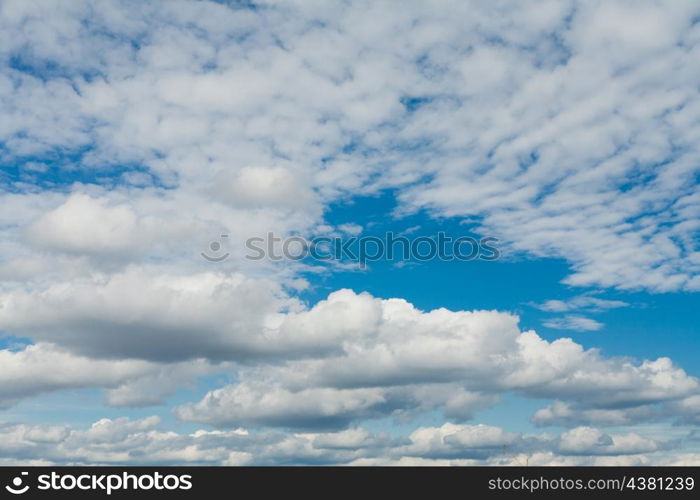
point(570, 130)
point(391, 358)
point(135, 133)
point(350, 357)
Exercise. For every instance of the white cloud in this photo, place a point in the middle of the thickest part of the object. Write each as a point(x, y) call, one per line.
point(260, 404)
point(560, 413)
point(686, 410)
point(458, 441)
point(42, 368)
point(574, 322)
point(580, 303)
point(114, 441)
point(147, 314)
point(590, 441)
point(86, 225)
point(392, 358)
point(350, 357)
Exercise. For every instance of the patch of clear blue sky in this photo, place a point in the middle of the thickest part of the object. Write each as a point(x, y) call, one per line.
point(61, 170)
point(13, 343)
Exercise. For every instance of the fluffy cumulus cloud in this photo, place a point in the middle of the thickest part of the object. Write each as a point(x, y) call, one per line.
point(349, 357)
point(152, 315)
point(136, 133)
point(42, 368)
point(393, 359)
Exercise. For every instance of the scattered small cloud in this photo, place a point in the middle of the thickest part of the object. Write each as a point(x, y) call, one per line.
point(575, 323)
point(580, 303)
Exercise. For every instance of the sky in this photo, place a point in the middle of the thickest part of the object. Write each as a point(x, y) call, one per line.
point(138, 138)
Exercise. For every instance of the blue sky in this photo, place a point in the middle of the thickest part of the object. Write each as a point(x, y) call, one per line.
point(137, 134)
